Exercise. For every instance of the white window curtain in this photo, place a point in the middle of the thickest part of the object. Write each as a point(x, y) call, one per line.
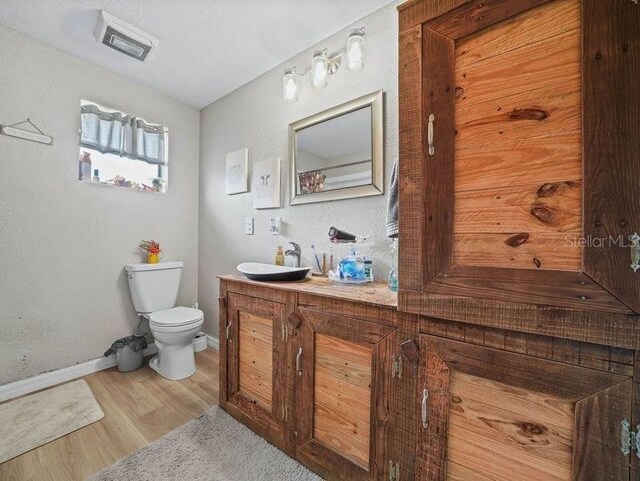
point(123, 135)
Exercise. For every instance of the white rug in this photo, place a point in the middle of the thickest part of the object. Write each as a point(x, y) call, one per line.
point(213, 447)
point(36, 419)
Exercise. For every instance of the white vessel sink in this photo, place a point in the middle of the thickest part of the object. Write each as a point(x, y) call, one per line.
point(268, 272)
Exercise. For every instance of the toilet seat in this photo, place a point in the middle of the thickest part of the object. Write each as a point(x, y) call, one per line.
point(182, 328)
point(176, 317)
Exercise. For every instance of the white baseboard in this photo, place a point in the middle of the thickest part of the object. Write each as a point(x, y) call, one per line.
point(51, 378)
point(213, 342)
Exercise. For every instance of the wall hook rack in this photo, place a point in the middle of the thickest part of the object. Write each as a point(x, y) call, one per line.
point(14, 131)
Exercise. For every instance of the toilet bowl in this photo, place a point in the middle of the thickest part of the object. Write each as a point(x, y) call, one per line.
point(154, 289)
point(173, 330)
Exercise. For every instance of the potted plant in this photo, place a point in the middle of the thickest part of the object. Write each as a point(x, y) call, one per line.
point(152, 248)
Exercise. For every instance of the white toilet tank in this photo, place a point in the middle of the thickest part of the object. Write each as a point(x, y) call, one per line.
point(154, 287)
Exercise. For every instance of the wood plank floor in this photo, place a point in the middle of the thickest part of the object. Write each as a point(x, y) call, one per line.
point(139, 408)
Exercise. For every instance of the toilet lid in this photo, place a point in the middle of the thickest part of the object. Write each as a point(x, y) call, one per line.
point(176, 316)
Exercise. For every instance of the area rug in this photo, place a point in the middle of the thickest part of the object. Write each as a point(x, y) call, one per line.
point(212, 447)
point(36, 419)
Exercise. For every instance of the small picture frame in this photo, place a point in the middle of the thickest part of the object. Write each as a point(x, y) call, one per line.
point(236, 179)
point(266, 184)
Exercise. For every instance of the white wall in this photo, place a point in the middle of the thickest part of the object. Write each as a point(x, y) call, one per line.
point(63, 244)
point(256, 117)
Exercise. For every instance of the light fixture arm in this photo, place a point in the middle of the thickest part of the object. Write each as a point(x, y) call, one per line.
point(334, 64)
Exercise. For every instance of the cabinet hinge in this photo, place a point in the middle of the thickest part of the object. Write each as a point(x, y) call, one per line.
point(629, 439)
point(396, 367)
point(394, 471)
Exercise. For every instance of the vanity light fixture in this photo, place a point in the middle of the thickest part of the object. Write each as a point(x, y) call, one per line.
point(290, 86)
point(323, 65)
point(355, 50)
point(319, 69)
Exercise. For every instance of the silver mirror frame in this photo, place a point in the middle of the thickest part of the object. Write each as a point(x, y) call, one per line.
point(375, 101)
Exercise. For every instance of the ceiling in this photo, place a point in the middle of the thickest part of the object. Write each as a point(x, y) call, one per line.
point(207, 48)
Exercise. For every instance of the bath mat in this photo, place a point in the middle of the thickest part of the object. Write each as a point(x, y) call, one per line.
point(36, 419)
point(213, 447)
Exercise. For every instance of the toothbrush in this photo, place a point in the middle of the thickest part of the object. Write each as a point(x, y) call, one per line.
point(316, 256)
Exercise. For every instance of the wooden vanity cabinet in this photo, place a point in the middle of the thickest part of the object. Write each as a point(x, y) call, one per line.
point(256, 383)
point(313, 368)
point(489, 414)
point(519, 160)
point(343, 394)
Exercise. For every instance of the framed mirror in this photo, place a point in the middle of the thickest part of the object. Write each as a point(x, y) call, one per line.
point(338, 153)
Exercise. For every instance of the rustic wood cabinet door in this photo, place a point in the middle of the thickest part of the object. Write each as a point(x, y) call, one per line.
point(492, 415)
point(519, 155)
point(257, 373)
point(344, 371)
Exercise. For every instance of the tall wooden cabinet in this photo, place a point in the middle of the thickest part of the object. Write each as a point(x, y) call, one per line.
point(519, 182)
point(519, 159)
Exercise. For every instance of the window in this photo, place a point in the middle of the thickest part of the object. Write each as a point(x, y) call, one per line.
point(122, 150)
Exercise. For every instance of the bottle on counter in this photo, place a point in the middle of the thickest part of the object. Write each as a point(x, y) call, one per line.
point(393, 273)
point(279, 257)
point(96, 177)
point(85, 167)
point(368, 269)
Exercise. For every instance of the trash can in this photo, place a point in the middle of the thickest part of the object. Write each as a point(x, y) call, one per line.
point(128, 359)
point(128, 352)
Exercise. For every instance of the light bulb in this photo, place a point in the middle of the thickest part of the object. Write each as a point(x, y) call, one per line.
point(290, 86)
point(355, 50)
point(319, 64)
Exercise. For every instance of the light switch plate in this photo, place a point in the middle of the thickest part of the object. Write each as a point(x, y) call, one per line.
point(248, 225)
point(274, 225)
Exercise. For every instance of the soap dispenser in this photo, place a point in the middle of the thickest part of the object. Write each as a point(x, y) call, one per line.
point(280, 257)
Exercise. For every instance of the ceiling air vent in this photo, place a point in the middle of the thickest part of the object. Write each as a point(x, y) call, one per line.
point(124, 37)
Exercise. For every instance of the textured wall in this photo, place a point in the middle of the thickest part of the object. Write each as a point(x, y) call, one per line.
point(63, 244)
point(256, 117)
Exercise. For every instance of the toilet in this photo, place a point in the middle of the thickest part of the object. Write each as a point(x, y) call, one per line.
point(154, 289)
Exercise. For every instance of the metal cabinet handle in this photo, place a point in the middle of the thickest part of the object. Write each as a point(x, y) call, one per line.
point(228, 327)
point(432, 149)
point(299, 361)
point(635, 252)
point(425, 408)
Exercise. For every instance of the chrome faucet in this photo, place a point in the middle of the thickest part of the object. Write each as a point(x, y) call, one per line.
point(295, 253)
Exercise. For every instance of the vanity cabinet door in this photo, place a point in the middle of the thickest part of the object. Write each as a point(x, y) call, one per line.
point(492, 415)
point(257, 383)
point(343, 378)
point(518, 166)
